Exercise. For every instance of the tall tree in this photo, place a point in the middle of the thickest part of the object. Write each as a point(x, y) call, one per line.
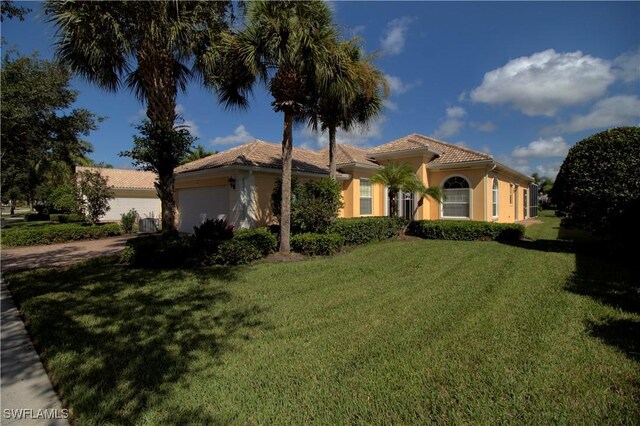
point(41, 131)
point(146, 46)
point(9, 10)
point(287, 45)
point(355, 98)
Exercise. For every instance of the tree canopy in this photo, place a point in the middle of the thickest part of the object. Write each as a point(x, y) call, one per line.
point(41, 130)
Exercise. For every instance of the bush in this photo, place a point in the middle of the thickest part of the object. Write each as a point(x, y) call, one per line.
point(238, 251)
point(261, 238)
point(68, 218)
point(465, 230)
point(33, 217)
point(64, 199)
point(599, 179)
point(314, 204)
point(128, 220)
point(211, 233)
point(158, 251)
point(317, 244)
point(365, 230)
point(96, 194)
point(51, 234)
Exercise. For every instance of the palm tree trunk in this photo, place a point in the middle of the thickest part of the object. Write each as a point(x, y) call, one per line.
point(332, 152)
point(285, 209)
point(156, 69)
point(393, 203)
point(404, 229)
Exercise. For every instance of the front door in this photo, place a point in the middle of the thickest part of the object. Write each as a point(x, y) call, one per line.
point(407, 204)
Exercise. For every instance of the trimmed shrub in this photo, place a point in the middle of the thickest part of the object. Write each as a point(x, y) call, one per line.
point(128, 220)
point(33, 217)
point(236, 252)
point(365, 230)
point(314, 204)
point(465, 230)
point(68, 218)
point(64, 199)
point(260, 238)
point(157, 251)
point(211, 233)
point(317, 244)
point(40, 235)
point(599, 180)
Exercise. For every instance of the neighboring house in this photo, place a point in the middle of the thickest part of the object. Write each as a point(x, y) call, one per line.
point(237, 184)
point(133, 189)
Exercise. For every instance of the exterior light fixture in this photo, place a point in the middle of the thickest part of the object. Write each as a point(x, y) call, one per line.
point(232, 182)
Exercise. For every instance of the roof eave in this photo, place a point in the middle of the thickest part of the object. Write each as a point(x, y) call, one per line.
point(509, 170)
point(357, 165)
point(459, 164)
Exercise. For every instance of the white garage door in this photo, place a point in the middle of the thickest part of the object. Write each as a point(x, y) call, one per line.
point(199, 204)
point(145, 206)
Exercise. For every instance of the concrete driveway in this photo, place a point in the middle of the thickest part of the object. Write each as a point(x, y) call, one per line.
point(60, 254)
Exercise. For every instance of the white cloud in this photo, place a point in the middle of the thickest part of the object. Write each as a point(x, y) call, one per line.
point(394, 36)
point(550, 147)
point(627, 66)
point(462, 96)
point(240, 135)
point(391, 106)
point(357, 30)
point(622, 110)
point(453, 123)
point(486, 149)
point(546, 81)
point(548, 170)
point(486, 127)
point(179, 108)
point(359, 136)
point(398, 86)
point(140, 115)
point(192, 127)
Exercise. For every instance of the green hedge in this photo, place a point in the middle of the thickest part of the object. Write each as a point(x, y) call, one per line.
point(158, 251)
point(236, 252)
point(369, 229)
point(465, 230)
point(51, 234)
point(67, 218)
point(34, 217)
point(317, 244)
point(261, 238)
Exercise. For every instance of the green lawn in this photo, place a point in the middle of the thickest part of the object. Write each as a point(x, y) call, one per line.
point(401, 332)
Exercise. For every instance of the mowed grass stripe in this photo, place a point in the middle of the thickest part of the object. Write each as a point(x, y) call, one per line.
point(402, 332)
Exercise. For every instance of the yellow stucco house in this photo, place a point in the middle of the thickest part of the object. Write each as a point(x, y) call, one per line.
point(237, 184)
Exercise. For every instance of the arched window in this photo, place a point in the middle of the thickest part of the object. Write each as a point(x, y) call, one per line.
point(495, 197)
point(457, 194)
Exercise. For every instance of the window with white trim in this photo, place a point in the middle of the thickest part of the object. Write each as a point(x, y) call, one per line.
point(457, 196)
point(495, 197)
point(366, 198)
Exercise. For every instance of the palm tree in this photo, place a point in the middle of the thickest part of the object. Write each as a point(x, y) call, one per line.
point(396, 177)
point(146, 46)
point(415, 186)
point(354, 99)
point(197, 153)
point(287, 44)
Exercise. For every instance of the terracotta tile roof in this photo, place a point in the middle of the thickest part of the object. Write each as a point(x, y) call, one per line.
point(124, 178)
point(260, 154)
point(448, 153)
point(348, 154)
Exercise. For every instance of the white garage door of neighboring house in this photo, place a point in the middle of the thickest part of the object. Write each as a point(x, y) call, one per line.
point(199, 204)
point(145, 206)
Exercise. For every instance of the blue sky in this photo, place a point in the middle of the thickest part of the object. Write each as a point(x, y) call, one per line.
point(522, 81)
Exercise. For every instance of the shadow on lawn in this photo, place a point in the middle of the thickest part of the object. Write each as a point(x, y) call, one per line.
point(117, 338)
point(607, 272)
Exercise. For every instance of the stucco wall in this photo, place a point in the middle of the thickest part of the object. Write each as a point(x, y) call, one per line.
point(476, 182)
